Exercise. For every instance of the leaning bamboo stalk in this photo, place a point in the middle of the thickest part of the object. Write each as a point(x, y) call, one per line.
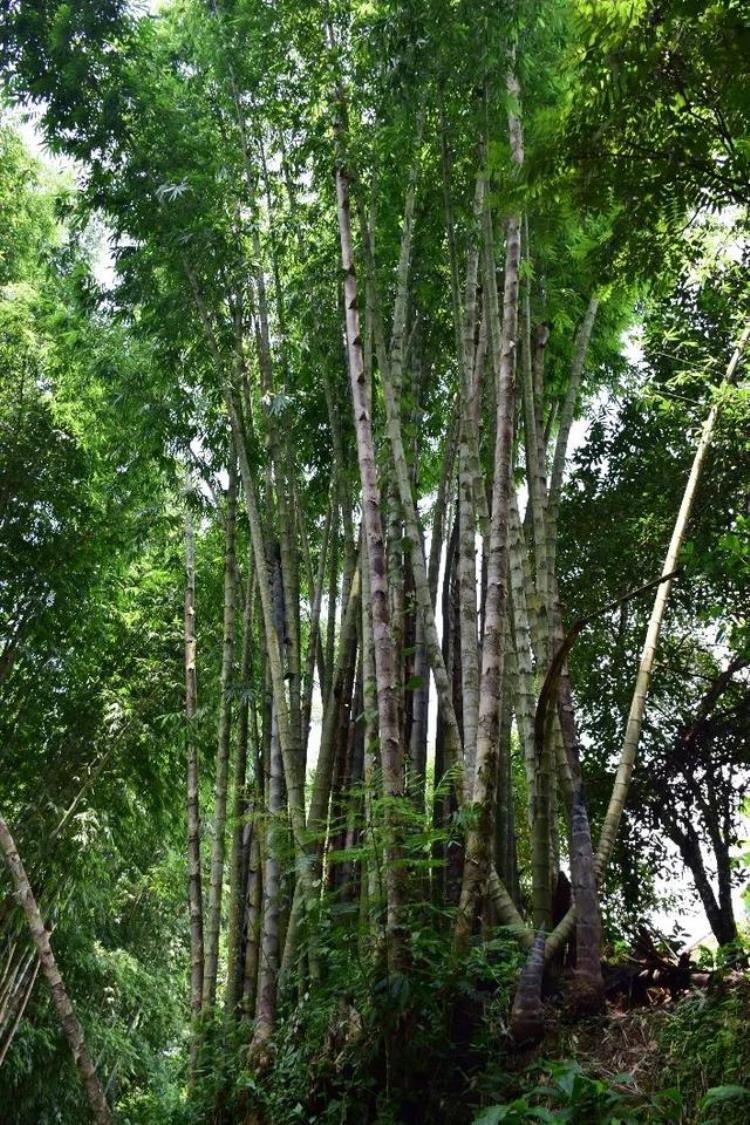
point(294, 755)
point(506, 910)
point(287, 703)
point(289, 744)
point(291, 584)
point(437, 536)
point(648, 655)
point(541, 339)
point(631, 740)
point(68, 1019)
point(18, 966)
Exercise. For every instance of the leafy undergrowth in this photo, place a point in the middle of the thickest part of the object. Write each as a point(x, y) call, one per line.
point(380, 1052)
point(685, 1061)
point(374, 1047)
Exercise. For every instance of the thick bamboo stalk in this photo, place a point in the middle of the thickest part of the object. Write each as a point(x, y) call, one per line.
point(467, 577)
point(269, 949)
point(537, 482)
point(390, 380)
point(237, 872)
point(195, 892)
point(525, 700)
point(253, 912)
point(372, 886)
point(385, 655)
point(314, 644)
point(527, 1014)
point(218, 849)
point(289, 737)
point(503, 342)
point(567, 414)
point(318, 810)
point(505, 857)
point(587, 993)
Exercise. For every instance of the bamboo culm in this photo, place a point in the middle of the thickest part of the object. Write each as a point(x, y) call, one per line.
point(69, 1021)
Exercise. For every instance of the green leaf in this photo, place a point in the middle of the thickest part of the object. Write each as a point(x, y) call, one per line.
point(719, 1094)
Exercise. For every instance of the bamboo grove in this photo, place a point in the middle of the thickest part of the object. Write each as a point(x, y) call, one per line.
point(372, 261)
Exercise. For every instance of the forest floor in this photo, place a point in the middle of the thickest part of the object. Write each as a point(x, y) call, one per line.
point(622, 1042)
point(678, 1046)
